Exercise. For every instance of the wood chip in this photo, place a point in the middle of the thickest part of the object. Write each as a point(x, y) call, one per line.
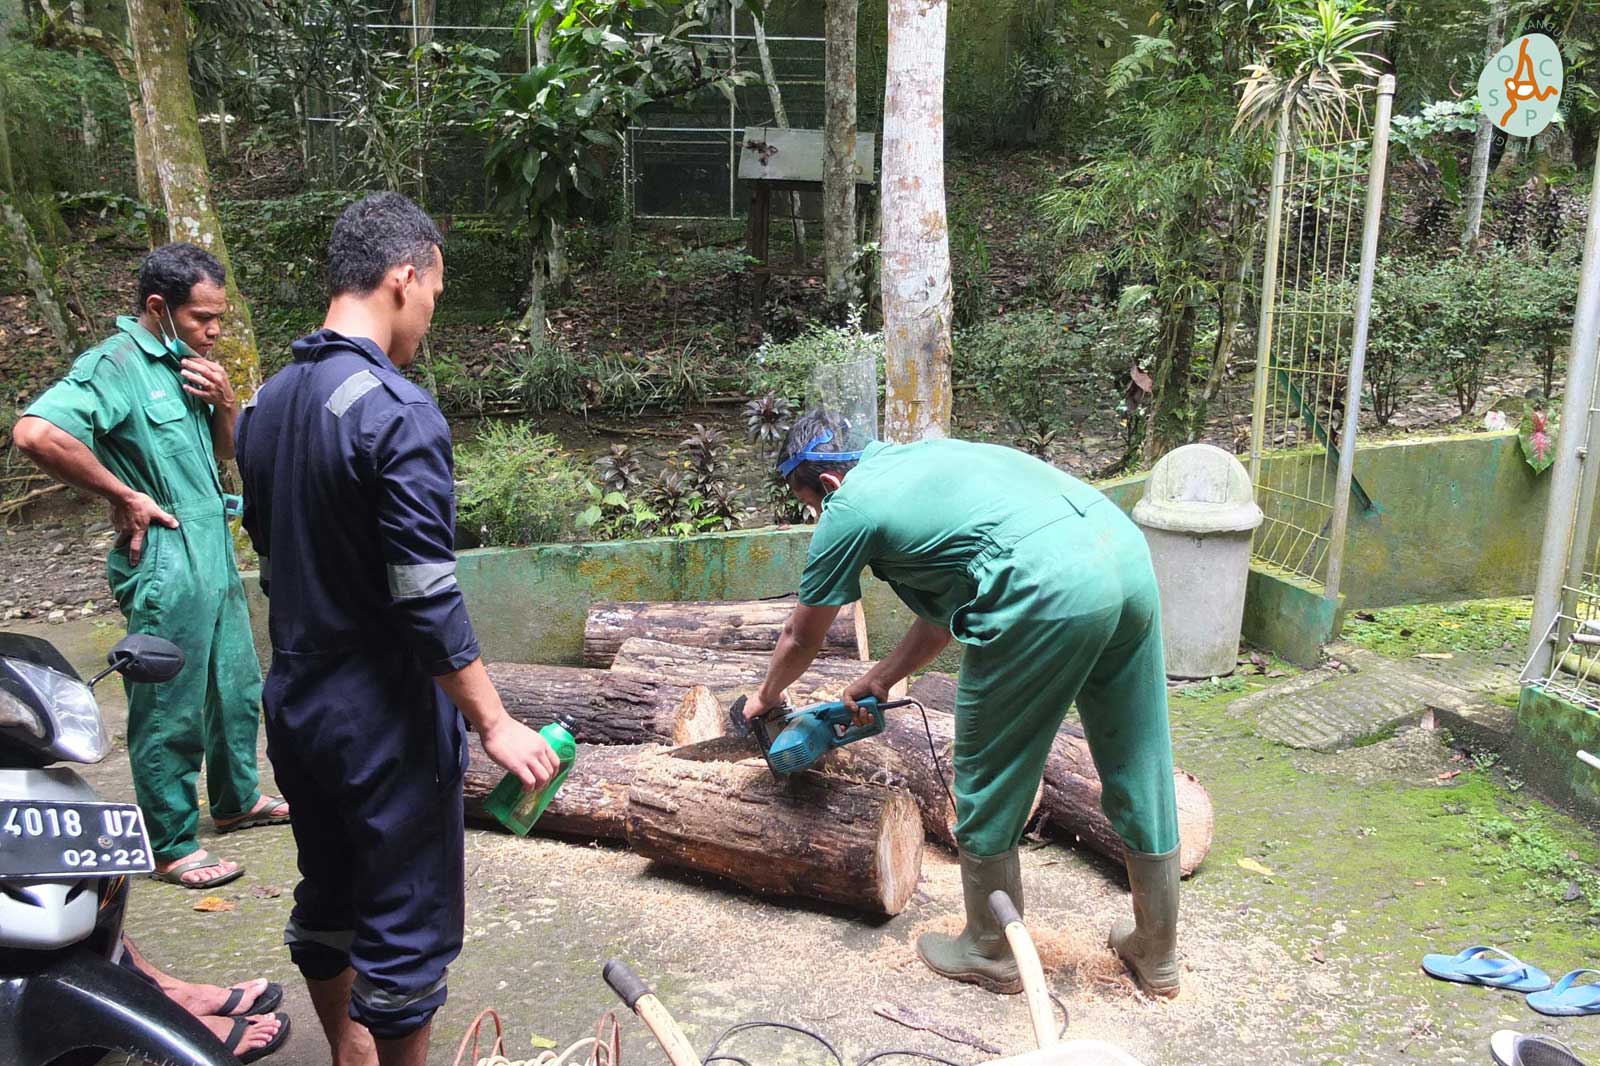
point(912, 1020)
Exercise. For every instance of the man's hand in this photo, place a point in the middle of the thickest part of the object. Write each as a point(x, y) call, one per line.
point(755, 705)
point(521, 751)
point(207, 380)
point(131, 518)
point(862, 687)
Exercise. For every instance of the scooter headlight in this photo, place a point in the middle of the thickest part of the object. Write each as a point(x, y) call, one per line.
point(73, 715)
point(14, 714)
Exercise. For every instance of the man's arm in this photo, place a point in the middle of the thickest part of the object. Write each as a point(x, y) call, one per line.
point(514, 746)
point(65, 458)
point(798, 646)
point(209, 381)
point(920, 646)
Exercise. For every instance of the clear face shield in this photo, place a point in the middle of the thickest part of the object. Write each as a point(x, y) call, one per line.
point(847, 391)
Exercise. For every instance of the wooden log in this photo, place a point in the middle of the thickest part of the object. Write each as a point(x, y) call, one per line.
point(592, 803)
point(727, 625)
point(608, 708)
point(720, 811)
point(1072, 789)
point(730, 674)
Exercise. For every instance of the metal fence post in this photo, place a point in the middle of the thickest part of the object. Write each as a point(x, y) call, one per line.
point(1377, 171)
point(1572, 445)
point(1269, 298)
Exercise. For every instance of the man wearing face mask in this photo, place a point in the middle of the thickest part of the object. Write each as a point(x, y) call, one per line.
point(141, 420)
point(350, 501)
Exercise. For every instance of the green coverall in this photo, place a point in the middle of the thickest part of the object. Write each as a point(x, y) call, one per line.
point(1050, 587)
point(124, 400)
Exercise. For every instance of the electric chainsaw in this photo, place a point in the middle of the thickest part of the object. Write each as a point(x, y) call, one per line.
point(806, 735)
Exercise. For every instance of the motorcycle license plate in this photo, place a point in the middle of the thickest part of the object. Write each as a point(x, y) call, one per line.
point(72, 840)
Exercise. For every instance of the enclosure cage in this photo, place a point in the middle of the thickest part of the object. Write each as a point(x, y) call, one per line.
point(680, 161)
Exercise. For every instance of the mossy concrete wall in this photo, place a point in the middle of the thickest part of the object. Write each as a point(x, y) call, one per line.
point(1549, 734)
point(1457, 517)
point(1460, 518)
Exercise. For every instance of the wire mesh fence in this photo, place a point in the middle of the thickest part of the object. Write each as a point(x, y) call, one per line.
point(1309, 317)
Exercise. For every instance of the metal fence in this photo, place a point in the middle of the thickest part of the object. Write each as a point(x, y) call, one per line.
point(680, 162)
point(1321, 249)
point(1564, 657)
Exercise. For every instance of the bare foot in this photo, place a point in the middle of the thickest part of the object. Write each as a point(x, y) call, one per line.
point(260, 1032)
point(275, 808)
point(201, 1000)
point(202, 875)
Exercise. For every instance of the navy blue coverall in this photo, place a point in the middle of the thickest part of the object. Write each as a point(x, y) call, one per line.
point(349, 500)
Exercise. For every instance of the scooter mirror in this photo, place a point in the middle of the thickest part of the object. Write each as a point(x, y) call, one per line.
point(144, 659)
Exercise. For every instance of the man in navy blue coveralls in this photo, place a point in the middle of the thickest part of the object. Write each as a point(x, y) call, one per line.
point(349, 500)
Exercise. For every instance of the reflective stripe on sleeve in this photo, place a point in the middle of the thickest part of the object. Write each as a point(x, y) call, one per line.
point(412, 581)
point(350, 390)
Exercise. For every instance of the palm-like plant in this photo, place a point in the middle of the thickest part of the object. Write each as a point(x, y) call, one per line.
point(620, 470)
point(707, 450)
point(672, 499)
point(767, 420)
point(1312, 65)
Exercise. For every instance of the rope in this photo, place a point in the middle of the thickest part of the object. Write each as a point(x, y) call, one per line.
point(604, 1047)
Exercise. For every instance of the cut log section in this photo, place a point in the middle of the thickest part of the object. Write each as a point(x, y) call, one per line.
point(1072, 789)
point(606, 707)
point(727, 625)
point(729, 674)
point(814, 835)
point(592, 803)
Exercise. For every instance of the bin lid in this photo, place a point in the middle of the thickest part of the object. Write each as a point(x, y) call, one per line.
point(1198, 488)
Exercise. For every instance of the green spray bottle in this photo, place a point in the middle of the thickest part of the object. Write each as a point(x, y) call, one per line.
point(518, 808)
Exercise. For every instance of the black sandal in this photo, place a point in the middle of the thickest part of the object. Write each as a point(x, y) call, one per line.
point(265, 1003)
point(236, 1037)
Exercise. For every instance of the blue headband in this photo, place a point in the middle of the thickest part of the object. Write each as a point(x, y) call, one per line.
point(787, 467)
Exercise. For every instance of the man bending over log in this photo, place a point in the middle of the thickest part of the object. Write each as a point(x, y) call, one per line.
point(1050, 587)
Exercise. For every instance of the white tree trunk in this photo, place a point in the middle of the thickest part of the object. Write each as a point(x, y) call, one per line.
point(1478, 184)
point(839, 154)
point(159, 30)
point(555, 256)
point(916, 245)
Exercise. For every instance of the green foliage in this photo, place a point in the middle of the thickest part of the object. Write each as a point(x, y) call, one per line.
point(972, 293)
point(784, 368)
point(1523, 842)
point(518, 487)
point(46, 93)
point(614, 515)
point(1312, 63)
point(1473, 626)
point(555, 130)
point(1434, 134)
point(1042, 92)
point(1534, 303)
point(1035, 367)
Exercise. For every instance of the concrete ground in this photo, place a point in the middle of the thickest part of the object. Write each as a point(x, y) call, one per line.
point(1330, 876)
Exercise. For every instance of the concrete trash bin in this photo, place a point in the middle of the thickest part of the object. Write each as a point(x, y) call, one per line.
point(1198, 514)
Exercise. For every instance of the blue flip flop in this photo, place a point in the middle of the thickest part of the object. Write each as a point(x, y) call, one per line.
point(1474, 967)
point(1568, 999)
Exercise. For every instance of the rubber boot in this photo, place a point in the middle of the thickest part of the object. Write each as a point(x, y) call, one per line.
point(980, 955)
point(1148, 942)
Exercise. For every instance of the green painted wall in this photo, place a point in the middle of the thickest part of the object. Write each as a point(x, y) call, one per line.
point(1461, 518)
point(1549, 733)
point(1458, 518)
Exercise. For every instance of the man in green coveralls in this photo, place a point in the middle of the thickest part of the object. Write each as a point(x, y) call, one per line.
point(1050, 588)
point(141, 420)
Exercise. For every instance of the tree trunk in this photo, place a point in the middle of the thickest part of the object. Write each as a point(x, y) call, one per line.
point(1478, 183)
point(32, 262)
point(1072, 788)
point(117, 54)
point(592, 803)
point(556, 250)
point(726, 625)
point(422, 23)
point(781, 117)
point(839, 155)
point(90, 126)
point(608, 708)
point(810, 834)
point(730, 674)
point(916, 245)
point(8, 178)
point(159, 31)
point(535, 323)
point(1168, 425)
